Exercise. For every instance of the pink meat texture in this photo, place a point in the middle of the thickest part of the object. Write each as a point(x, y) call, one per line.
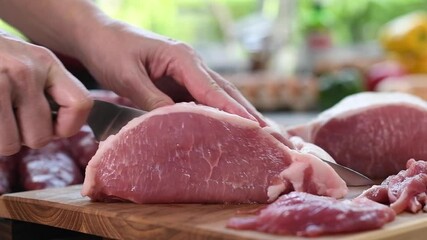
point(192, 153)
point(82, 146)
point(58, 164)
point(7, 174)
point(406, 191)
point(373, 133)
point(304, 214)
point(48, 167)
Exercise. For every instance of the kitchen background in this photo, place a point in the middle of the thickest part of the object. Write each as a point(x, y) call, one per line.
point(295, 55)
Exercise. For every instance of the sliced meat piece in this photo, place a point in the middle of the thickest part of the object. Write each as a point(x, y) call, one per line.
point(50, 166)
point(372, 133)
point(82, 146)
point(192, 153)
point(7, 174)
point(304, 214)
point(405, 191)
point(377, 193)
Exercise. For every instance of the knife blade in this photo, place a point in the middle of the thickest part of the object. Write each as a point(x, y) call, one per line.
point(105, 118)
point(351, 178)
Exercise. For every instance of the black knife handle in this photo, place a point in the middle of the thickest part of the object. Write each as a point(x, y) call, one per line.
point(54, 107)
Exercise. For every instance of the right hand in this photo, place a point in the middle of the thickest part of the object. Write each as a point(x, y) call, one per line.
point(27, 74)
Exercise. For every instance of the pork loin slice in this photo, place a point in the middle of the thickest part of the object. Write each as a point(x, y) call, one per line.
point(189, 153)
point(304, 214)
point(373, 133)
point(405, 191)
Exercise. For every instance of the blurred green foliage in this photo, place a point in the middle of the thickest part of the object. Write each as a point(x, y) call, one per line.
point(186, 20)
point(359, 20)
point(7, 28)
point(192, 20)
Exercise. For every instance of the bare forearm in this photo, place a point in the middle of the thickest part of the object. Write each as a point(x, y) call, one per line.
point(61, 25)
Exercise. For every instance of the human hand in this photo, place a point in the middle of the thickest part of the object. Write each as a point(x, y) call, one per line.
point(27, 74)
point(133, 63)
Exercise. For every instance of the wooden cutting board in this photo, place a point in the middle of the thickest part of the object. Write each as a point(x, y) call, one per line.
point(65, 208)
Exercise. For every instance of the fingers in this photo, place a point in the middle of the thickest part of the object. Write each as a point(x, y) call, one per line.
point(72, 97)
point(237, 95)
point(173, 89)
point(32, 113)
point(10, 142)
point(141, 90)
point(26, 72)
point(208, 91)
point(34, 119)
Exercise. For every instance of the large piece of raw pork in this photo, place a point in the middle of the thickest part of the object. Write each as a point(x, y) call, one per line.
point(373, 133)
point(192, 153)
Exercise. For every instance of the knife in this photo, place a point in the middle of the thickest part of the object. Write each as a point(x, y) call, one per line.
point(351, 178)
point(105, 118)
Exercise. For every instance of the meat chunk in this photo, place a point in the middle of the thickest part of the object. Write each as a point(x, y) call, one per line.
point(50, 166)
point(82, 146)
point(373, 133)
point(405, 191)
point(192, 153)
point(305, 214)
point(7, 174)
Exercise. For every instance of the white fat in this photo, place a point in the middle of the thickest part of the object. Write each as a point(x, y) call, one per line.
point(274, 191)
point(356, 103)
point(327, 181)
point(352, 105)
point(310, 148)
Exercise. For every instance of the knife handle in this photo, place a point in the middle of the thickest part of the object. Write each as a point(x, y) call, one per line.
point(54, 107)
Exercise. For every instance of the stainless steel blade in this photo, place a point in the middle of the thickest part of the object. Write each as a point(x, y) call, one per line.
point(107, 119)
point(350, 177)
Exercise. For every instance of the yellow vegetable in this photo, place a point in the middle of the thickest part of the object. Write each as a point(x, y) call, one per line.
point(405, 39)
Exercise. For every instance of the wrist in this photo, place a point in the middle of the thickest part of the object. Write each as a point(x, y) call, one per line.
point(86, 32)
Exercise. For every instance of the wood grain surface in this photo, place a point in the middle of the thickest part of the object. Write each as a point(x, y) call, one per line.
point(65, 208)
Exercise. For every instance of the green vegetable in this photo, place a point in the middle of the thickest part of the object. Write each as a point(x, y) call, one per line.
point(337, 85)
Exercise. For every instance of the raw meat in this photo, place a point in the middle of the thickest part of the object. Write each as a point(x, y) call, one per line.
point(192, 153)
point(50, 166)
point(7, 174)
point(82, 146)
point(305, 214)
point(58, 164)
point(406, 191)
point(373, 133)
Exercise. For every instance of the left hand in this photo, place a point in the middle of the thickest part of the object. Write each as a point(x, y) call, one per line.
point(133, 63)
